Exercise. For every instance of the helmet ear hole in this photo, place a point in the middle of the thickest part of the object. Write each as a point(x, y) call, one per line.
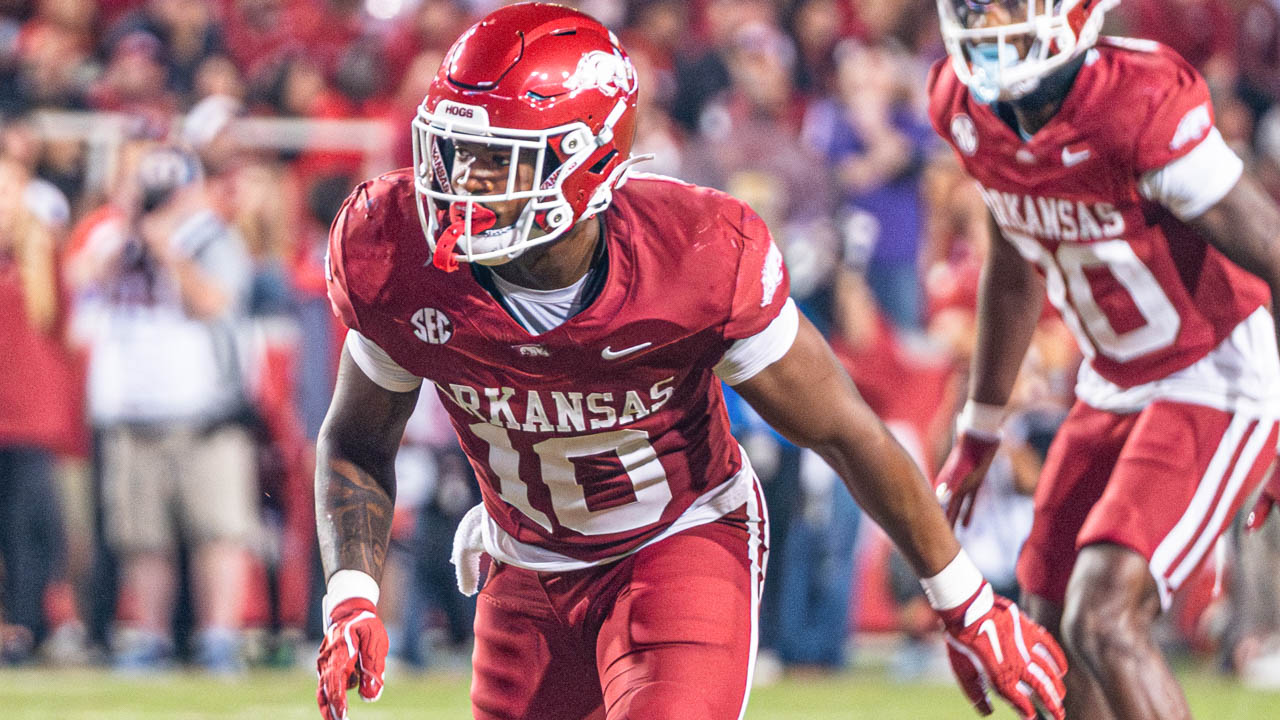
point(603, 162)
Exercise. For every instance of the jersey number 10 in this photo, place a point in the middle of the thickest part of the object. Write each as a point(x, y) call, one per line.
point(560, 475)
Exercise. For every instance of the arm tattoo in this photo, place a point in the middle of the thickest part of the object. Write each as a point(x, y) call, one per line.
point(355, 471)
point(353, 518)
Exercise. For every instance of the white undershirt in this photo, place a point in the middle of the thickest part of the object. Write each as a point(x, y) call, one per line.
point(378, 365)
point(741, 362)
point(1195, 182)
point(541, 311)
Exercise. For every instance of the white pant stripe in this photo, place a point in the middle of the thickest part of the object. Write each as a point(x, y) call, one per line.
point(1185, 532)
point(758, 550)
point(1252, 449)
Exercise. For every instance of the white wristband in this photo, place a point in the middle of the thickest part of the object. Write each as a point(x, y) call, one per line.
point(954, 585)
point(980, 419)
point(347, 584)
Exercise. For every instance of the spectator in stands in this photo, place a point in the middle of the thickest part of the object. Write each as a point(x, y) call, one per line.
point(657, 133)
point(361, 77)
point(164, 289)
point(897, 22)
point(657, 30)
point(403, 107)
point(432, 27)
point(817, 570)
point(217, 75)
point(957, 231)
point(876, 141)
point(322, 334)
point(296, 86)
point(817, 26)
point(37, 417)
point(788, 185)
point(187, 32)
point(703, 71)
point(1258, 55)
point(52, 63)
point(135, 81)
point(260, 32)
point(206, 130)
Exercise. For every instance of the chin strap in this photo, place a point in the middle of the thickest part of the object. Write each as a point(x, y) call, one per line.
point(482, 218)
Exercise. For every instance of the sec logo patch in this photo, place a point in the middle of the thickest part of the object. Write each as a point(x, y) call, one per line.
point(964, 133)
point(432, 326)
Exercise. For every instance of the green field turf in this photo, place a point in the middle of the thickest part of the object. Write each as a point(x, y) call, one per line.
point(93, 695)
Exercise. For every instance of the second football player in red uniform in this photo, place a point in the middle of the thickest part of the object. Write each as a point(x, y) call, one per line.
point(1110, 188)
point(578, 331)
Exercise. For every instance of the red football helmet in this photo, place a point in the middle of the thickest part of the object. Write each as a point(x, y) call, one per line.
point(552, 87)
point(985, 58)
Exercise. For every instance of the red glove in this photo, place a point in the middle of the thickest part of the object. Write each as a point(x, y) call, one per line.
point(354, 652)
point(992, 645)
point(958, 482)
point(1270, 498)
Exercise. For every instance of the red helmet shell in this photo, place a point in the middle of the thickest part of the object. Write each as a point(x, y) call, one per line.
point(537, 66)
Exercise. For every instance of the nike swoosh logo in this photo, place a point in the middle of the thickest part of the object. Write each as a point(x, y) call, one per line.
point(1074, 158)
point(611, 354)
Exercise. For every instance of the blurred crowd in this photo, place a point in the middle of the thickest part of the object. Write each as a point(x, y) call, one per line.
point(168, 351)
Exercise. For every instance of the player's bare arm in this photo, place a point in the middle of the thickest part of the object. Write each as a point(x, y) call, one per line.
point(355, 498)
point(1010, 295)
point(808, 397)
point(1245, 226)
point(355, 471)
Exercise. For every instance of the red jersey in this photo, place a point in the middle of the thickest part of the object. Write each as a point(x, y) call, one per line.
point(38, 398)
point(1143, 293)
point(592, 438)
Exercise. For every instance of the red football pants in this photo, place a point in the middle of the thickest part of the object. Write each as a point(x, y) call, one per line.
point(667, 633)
point(1164, 482)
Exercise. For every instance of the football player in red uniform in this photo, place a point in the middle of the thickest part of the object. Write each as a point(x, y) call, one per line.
point(1110, 188)
point(578, 332)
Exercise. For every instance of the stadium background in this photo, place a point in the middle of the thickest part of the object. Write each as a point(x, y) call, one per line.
point(811, 110)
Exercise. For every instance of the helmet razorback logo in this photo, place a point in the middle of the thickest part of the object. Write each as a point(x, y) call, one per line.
point(610, 73)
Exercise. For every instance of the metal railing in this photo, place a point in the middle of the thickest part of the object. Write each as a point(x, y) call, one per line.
point(105, 133)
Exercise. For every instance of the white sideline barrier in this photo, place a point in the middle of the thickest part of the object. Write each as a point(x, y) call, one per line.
point(105, 133)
